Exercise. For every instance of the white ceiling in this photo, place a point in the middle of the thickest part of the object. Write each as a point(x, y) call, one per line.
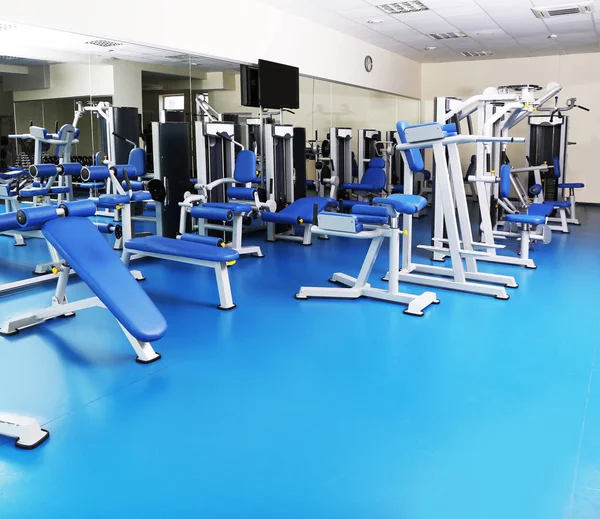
point(46, 45)
point(508, 28)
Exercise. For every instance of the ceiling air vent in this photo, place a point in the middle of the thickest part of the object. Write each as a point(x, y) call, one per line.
point(403, 7)
point(6, 26)
point(447, 35)
point(563, 10)
point(477, 53)
point(8, 58)
point(103, 43)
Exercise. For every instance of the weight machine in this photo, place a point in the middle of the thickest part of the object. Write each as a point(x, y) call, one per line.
point(340, 140)
point(367, 148)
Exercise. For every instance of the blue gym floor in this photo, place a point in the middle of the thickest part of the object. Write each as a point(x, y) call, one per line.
point(313, 409)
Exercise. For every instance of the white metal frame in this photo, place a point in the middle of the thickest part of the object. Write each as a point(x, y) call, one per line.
point(26, 430)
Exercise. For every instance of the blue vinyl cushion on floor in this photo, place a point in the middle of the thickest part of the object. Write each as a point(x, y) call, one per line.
point(313, 409)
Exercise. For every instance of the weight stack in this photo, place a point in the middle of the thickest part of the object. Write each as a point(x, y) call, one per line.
point(299, 150)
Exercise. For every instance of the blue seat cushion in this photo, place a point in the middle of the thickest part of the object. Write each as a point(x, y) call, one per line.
point(112, 200)
point(139, 196)
point(572, 185)
point(350, 204)
point(404, 204)
point(92, 185)
point(59, 190)
point(9, 175)
point(34, 191)
point(236, 208)
point(78, 241)
point(544, 209)
point(531, 219)
point(181, 249)
point(559, 203)
point(301, 209)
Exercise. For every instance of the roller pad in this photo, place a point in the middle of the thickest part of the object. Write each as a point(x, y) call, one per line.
point(91, 173)
point(87, 252)
point(206, 240)
point(8, 221)
point(112, 201)
point(132, 172)
point(236, 208)
point(33, 216)
point(72, 168)
point(211, 213)
point(80, 208)
point(43, 170)
point(104, 228)
point(241, 193)
point(136, 185)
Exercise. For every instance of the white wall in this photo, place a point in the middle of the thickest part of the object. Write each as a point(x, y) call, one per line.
point(238, 30)
point(580, 77)
point(324, 105)
point(73, 80)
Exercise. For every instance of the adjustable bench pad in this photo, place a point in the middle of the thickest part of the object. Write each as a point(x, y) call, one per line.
point(302, 208)
point(78, 241)
point(181, 249)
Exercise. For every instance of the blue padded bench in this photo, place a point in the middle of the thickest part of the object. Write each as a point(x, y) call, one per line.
point(187, 250)
point(299, 213)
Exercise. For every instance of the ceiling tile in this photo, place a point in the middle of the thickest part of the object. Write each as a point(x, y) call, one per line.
point(362, 12)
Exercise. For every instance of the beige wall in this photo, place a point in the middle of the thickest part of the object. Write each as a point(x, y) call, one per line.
point(324, 105)
point(580, 77)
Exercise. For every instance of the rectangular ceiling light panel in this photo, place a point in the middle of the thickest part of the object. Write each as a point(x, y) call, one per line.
point(403, 7)
point(447, 35)
point(477, 53)
point(563, 10)
point(103, 43)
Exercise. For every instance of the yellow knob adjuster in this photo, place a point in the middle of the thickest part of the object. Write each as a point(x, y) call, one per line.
point(300, 220)
point(118, 207)
point(231, 263)
point(222, 244)
point(405, 232)
point(54, 270)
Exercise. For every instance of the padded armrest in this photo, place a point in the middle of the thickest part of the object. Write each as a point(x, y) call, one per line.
point(404, 204)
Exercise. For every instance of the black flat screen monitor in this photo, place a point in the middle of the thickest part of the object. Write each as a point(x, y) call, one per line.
point(278, 85)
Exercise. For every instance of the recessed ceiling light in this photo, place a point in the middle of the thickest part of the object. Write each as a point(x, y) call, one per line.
point(447, 35)
point(403, 7)
point(8, 58)
point(477, 53)
point(376, 21)
point(430, 48)
point(552, 36)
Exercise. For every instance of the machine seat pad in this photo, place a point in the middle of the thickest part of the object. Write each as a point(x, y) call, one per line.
point(571, 185)
point(140, 196)
point(370, 210)
point(34, 191)
point(78, 241)
point(300, 209)
point(181, 249)
point(559, 203)
point(532, 219)
point(404, 204)
point(112, 200)
point(59, 190)
point(544, 209)
point(236, 208)
point(9, 175)
point(351, 204)
point(92, 185)
point(361, 187)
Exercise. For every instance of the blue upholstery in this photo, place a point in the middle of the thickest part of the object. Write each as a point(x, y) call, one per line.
point(59, 190)
point(556, 164)
point(398, 189)
point(301, 211)
point(205, 240)
point(8, 221)
point(112, 201)
point(404, 204)
point(71, 168)
point(505, 181)
point(93, 173)
point(87, 252)
point(80, 208)
point(540, 209)
point(350, 204)
point(559, 203)
point(236, 208)
point(9, 175)
point(92, 185)
point(34, 191)
point(206, 212)
point(535, 190)
point(181, 249)
point(310, 183)
point(531, 219)
point(43, 170)
point(137, 159)
point(136, 185)
point(139, 196)
point(373, 179)
point(571, 185)
point(39, 215)
point(245, 167)
point(372, 210)
point(372, 219)
point(413, 156)
point(241, 193)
